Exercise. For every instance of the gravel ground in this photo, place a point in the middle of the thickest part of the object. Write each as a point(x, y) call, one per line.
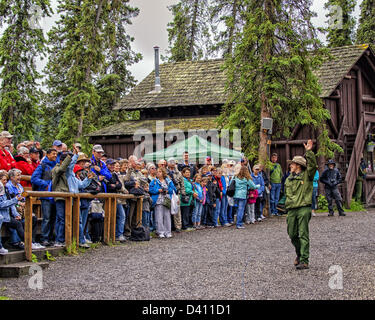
point(223, 263)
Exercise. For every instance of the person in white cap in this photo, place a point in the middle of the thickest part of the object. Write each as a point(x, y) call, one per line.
point(99, 167)
point(6, 159)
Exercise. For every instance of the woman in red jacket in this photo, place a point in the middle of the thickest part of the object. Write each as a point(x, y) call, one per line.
point(23, 163)
point(6, 160)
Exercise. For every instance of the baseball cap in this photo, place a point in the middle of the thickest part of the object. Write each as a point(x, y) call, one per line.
point(97, 148)
point(6, 134)
point(110, 161)
point(33, 150)
point(57, 143)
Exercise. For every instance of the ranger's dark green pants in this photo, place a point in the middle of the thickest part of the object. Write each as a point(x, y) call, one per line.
point(298, 231)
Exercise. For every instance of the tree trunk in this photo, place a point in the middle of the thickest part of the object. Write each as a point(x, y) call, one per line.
point(232, 28)
point(265, 113)
point(88, 69)
point(193, 30)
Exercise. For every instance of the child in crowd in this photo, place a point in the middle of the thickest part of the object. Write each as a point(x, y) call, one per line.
point(208, 203)
point(147, 204)
point(250, 207)
point(197, 212)
point(258, 180)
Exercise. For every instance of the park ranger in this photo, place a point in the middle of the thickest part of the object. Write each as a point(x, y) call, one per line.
point(298, 191)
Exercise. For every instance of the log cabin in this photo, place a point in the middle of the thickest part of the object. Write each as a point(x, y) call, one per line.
point(190, 94)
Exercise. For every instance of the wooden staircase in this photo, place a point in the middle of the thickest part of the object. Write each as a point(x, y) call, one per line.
point(352, 154)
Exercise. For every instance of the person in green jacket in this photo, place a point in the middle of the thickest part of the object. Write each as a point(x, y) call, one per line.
point(276, 175)
point(187, 207)
point(298, 192)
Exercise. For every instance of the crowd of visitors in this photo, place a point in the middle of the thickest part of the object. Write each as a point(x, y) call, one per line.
point(177, 196)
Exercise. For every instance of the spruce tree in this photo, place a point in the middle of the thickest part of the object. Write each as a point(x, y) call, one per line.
point(22, 42)
point(270, 75)
point(341, 22)
point(366, 28)
point(227, 22)
point(189, 33)
point(88, 63)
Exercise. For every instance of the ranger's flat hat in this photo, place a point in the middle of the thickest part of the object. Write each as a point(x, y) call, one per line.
point(299, 160)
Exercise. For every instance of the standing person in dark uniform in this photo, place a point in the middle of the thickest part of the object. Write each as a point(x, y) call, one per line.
point(298, 192)
point(331, 178)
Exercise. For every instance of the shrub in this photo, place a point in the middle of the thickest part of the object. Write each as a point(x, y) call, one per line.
point(322, 202)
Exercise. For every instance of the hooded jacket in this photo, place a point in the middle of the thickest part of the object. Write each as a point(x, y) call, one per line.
point(42, 176)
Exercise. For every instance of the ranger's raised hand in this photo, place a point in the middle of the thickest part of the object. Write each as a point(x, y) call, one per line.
point(308, 145)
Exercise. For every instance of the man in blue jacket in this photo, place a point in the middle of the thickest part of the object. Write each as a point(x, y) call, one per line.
point(99, 167)
point(41, 180)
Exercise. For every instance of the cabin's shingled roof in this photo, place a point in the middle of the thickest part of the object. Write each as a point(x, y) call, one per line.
point(331, 73)
point(191, 83)
point(203, 83)
point(186, 83)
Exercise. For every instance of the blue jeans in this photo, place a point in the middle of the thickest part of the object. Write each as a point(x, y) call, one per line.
point(217, 211)
point(240, 211)
point(83, 234)
point(146, 216)
point(120, 220)
point(60, 221)
point(197, 212)
point(274, 195)
point(223, 210)
point(230, 214)
point(314, 195)
point(49, 216)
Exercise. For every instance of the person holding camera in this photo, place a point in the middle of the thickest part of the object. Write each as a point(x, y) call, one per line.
point(331, 178)
point(178, 181)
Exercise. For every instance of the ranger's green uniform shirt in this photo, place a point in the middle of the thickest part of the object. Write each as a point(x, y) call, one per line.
point(299, 187)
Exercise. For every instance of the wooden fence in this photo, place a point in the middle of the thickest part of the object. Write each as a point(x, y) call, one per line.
point(72, 211)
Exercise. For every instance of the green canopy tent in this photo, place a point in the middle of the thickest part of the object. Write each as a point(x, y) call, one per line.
point(198, 148)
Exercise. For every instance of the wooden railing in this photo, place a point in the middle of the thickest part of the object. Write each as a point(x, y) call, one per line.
point(72, 211)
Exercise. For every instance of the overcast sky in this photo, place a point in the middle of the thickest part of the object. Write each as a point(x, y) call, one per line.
point(150, 29)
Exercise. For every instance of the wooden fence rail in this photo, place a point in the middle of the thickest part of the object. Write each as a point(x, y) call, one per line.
point(72, 211)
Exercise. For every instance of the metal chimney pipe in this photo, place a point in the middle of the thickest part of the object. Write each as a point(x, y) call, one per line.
point(157, 74)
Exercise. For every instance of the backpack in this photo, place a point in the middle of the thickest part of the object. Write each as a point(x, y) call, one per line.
point(46, 175)
point(232, 188)
point(140, 234)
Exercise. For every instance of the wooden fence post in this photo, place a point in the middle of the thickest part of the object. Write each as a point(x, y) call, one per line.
point(139, 212)
point(28, 228)
point(113, 220)
point(107, 220)
point(76, 213)
point(68, 223)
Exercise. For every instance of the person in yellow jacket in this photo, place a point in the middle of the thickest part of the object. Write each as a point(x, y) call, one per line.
point(298, 192)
